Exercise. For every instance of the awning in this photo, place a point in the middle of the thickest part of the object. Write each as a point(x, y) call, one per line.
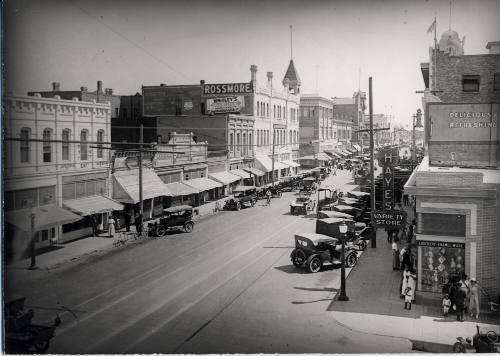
point(127, 188)
point(255, 171)
point(333, 154)
point(224, 177)
point(240, 173)
point(203, 184)
point(291, 163)
point(352, 150)
point(92, 205)
point(265, 163)
point(357, 147)
point(177, 189)
point(323, 157)
point(346, 153)
point(45, 217)
point(306, 157)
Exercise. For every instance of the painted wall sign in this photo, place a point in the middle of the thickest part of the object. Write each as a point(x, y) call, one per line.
point(394, 219)
point(440, 244)
point(225, 104)
point(228, 88)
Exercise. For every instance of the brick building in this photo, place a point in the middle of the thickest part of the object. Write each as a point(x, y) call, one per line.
point(457, 184)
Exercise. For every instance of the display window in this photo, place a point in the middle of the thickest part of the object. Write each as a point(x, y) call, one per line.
point(441, 263)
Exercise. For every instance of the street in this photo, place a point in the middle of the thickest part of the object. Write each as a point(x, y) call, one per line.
point(228, 287)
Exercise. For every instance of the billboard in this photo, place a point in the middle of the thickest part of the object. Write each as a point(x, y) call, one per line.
point(171, 100)
point(463, 134)
point(225, 104)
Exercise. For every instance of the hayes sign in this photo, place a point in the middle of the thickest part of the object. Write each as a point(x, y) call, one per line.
point(394, 219)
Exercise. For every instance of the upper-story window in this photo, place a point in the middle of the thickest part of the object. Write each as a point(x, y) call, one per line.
point(231, 142)
point(267, 110)
point(258, 108)
point(84, 136)
point(470, 83)
point(66, 133)
point(496, 82)
point(274, 111)
point(47, 145)
point(25, 145)
point(238, 142)
point(100, 139)
point(244, 143)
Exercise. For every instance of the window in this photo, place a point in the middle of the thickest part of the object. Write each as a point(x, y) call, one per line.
point(258, 108)
point(470, 83)
point(442, 224)
point(47, 145)
point(238, 142)
point(290, 139)
point(250, 142)
point(258, 137)
point(100, 139)
point(274, 111)
point(244, 144)
point(83, 145)
point(267, 110)
point(231, 142)
point(496, 82)
point(25, 145)
point(65, 144)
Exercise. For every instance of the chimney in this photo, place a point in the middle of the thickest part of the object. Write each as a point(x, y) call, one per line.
point(163, 84)
point(269, 78)
point(56, 86)
point(84, 88)
point(202, 82)
point(494, 47)
point(99, 86)
point(108, 91)
point(253, 71)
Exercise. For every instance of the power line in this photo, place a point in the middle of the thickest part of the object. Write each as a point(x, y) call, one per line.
point(130, 41)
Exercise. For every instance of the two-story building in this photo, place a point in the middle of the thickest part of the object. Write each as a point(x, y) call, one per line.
point(56, 167)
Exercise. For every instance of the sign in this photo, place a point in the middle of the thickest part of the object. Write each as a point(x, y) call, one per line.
point(440, 244)
point(388, 187)
point(394, 219)
point(227, 88)
point(225, 104)
point(84, 177)
point(279, 127)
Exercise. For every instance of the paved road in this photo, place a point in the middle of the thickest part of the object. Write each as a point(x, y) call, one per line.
point(227, 287)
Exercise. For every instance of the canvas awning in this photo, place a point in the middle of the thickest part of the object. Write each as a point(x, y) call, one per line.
point(357, 147)
point(203, 184)
point(291, 163)
point(45, 217)
point(126, 189)
point(333, 154)
point(92, 205)
point(306, 157)
point(323, 157)
point(240, 172)
point(352, 150)
point(265, 163)
point(224, 177)
point(255, 171)
point(177, 189)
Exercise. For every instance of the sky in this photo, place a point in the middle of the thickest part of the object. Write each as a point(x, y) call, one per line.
point(337, 45)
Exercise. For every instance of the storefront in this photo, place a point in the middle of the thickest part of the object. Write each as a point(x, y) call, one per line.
point(228, 179)
point(265, 164)
point(209, 189)
point(180, 194)
point(257, 175)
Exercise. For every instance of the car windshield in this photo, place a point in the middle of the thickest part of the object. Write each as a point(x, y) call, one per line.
point(302, 200)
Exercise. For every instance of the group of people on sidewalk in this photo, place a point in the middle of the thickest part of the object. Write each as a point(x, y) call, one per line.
point(462, 297)
point(114, 223)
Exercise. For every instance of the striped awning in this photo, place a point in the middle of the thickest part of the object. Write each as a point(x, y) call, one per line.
point(224, 177)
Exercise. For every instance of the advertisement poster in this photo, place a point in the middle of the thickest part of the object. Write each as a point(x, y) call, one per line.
point(226, 104)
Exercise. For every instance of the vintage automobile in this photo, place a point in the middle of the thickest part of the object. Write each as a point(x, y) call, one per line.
point(288, 184)
point(360, 215)
point(244, 197)
point(357, 232)
point(21, 335)
point(301, 205)
point(173, 218)
point(313, 251)
point(488, 342)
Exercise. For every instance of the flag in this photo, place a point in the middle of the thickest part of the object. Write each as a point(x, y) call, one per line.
point(432, 27)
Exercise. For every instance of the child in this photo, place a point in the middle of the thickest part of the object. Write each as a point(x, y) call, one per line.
point(408, 297)
point(446, 304)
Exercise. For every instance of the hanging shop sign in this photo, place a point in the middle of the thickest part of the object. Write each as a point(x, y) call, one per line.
point(388, 187)
point(394, 219)
point(226, 104)
point(227, 88)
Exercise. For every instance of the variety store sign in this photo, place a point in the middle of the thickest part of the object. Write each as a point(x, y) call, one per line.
point(395, 219)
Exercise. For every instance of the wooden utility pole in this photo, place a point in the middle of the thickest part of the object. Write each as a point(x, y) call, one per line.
point(33, 265)
point(141, 140)
point(372, 168)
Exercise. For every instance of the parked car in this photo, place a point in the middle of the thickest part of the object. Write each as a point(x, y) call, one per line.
point(244, 197)
point(173, 218)
point(301, 205)
point(313, 251)
point(488, 342)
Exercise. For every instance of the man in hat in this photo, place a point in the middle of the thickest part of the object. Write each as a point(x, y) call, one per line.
point(460, 302)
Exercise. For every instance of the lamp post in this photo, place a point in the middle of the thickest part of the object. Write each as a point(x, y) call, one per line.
point(343, 296)
point(418, 117)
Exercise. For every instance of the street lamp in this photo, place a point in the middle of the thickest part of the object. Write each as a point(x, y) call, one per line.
point(343, 296)
point(418, 117)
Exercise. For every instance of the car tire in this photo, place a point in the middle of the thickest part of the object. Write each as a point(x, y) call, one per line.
point(188, 227)
point(42, 346)
point(238, 206)
point(161, 231)
point(458, 348)
point(351, 259)
point(298, 257)
point(280, 194)
point(315, 264)
point(361, 244)
point(253, 202)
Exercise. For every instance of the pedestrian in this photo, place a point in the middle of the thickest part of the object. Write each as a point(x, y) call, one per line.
point(411, 230)
point(474, 299)
point(111, 226)
point(408, 297)
point(407, 258)
point(268, 197)
point(93, 224)
point(412, 282)
point(459, 302)
point(128, 221)
point(446, 305)
point(404, 281)
point(334, 170)
point(452, 293)
point(138, 223)
point(395, 255)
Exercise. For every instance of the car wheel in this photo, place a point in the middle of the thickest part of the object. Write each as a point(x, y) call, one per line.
point(315, 264)
point(238, 206)
point(362, 245)
point(458, 348)
point(42, 346)
point(253, 202)
point(351, 259)
point(161, 231)
point(189, 227)
point(298, 257)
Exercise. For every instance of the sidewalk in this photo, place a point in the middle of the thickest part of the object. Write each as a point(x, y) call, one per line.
point(375, 307)
point(74, 250)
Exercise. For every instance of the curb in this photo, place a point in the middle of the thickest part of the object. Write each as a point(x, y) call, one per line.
point(431, 347)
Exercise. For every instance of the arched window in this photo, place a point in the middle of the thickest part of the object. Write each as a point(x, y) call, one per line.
point(47, 145)
point(258, 108)
point(231, 142)
point(84, 136)
point(290, 141)
point(258, 136)
point(100, 139)
point(238, 142)
point(245, 146)
point(267, 110)
point(250, 142)
point(25, 145)
point(66, 133)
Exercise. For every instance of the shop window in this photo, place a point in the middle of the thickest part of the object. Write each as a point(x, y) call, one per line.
point(442, 224)
point(441, 263)
point(78, 225)
point(25, 145)
point(80, 189)
point(47, 195)
point(100, 187)
point(470, 83)
point(90, 188)
point(47, 145)
point(26, 198)
point(496, 82)
point(65, 144)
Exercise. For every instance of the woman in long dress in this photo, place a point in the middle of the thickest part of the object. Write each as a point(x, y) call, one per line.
point(474, 298)
point(406, 277)
point(111, 226)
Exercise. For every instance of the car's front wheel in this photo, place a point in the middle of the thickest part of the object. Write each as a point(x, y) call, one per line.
point(315, 264)
point(189, 227)
point(161, 231)
point(458, 348)
point(351, 259)
point(361, 245)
